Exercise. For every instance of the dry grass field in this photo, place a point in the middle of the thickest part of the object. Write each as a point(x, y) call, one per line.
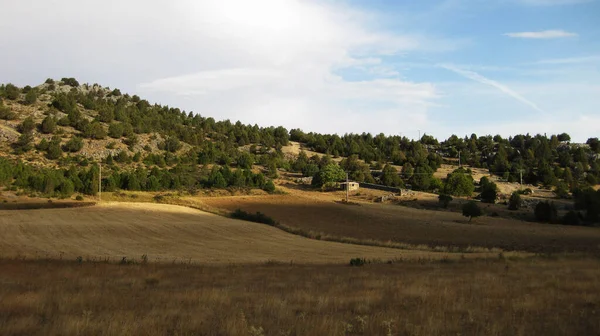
point(319, 213)
point(525, 297)
point(165, 233)
point(207, 274)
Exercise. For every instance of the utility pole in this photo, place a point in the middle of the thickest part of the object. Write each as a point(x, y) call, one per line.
point(100, 183)
point(521, 175)
point(347, 187)
point(419, 135)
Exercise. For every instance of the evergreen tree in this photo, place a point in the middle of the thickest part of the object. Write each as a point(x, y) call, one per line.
point(48, 125)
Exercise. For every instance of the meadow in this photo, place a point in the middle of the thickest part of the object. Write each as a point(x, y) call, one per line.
point(534, 296)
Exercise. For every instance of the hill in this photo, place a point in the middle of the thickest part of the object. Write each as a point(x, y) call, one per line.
point(55, 135)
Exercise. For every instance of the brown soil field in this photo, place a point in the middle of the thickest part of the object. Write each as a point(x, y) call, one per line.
point(318, 212)
point(165, 233)
point(501, 297)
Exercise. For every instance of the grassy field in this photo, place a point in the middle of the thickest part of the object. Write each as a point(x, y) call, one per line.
point(319, 213)
point(166, 232)
point(500, 297)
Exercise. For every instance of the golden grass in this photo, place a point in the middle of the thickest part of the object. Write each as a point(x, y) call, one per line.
point(527, 297)
point(200, 203)
point(166, 232)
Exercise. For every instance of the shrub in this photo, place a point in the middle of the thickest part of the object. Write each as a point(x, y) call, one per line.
point(546, 212)
point(23, 144)
point(436, 184)
point(357, 262)
point(94, 130)
point(48, 125)
point(43, 145)
point(471, 209)
point(27, 125)
point(562, 190)
point(54, 150)
point(171, 144)
point(310, 170)
point(6, 113)
point(79, 198)
point(445, 200)
point(489, 193)
point(258, 217)
point(74, 145)
point(514, 203)
point(31, 97)
point(70, 81)
point(269, 186)
point(11, 91)
point(526, 191)
point(131, 141)
point(115, 130)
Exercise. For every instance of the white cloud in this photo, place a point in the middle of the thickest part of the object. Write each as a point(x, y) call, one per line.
point(545, 34)
point(265, 61)
point(481, 79)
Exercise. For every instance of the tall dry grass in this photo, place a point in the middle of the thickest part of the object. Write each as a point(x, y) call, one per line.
point(526, 297)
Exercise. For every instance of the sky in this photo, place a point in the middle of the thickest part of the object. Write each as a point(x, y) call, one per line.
point(404, 68)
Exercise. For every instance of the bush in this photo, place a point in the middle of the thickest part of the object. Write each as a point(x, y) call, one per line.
point(357, 262)
point(489, 192)
point(74, 145)
point(445, 200)
point(269, 186)
point(471, 209)
point(514, 203)
point(23, 144)
point(562, 190)
point(48, 125)
point(546, 212)
point(27, 125)
point(94, 130)
point(31, 97)
point(79, 198)
point(526, 191)
point(115, 130)
point(70, 81)
point(43, 145)
point(54, 150)
point(11, 91)
point(171, 144)
point(258, 217)
point(6, 113)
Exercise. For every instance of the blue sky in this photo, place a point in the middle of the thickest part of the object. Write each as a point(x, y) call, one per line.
point(398, 67)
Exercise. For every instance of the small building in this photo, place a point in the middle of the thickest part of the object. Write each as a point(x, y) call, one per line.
point(350, 186)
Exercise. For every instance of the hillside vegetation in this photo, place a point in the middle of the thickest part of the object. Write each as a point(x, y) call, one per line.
point(55, 135)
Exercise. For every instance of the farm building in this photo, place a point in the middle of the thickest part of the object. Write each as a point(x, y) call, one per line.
point(350, 185)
